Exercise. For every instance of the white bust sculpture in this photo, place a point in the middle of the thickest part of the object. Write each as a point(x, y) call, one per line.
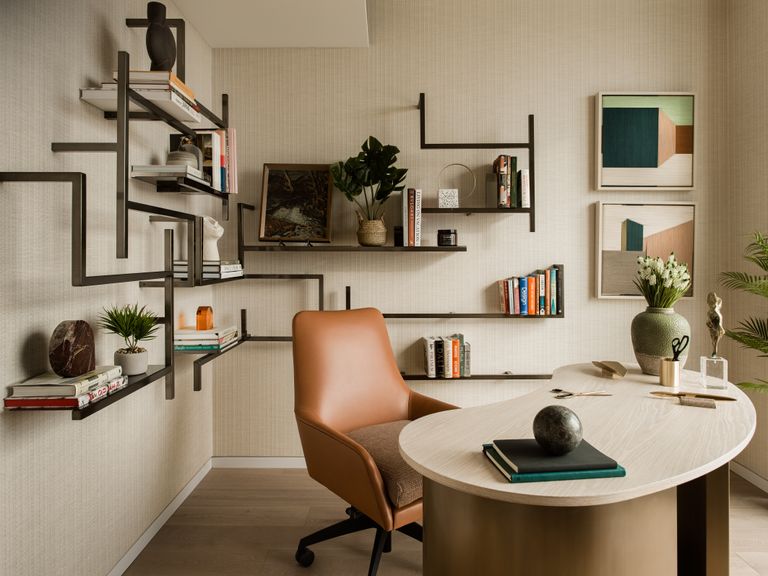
point(212, 231)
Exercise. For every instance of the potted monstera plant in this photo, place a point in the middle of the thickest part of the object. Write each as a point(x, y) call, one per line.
point(368, 180)
point(134, 325)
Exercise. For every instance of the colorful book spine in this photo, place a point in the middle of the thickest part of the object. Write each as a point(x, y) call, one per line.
point(117, 384)
point(417, 218)
point(553, 289)
point(516, 297)
point(502, 296)
point(48, 402)
point(559, 296)
point(510, 283)
point(411, 217)
point(455, 358)
point(541, 284)
point(231, 138)
point(524, 296)
point(533, 296)
point(547, 294)
point(467, 371)
point(404, 210)
point(512, 192)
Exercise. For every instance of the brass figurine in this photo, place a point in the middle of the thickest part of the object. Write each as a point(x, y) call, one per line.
point(715, 320)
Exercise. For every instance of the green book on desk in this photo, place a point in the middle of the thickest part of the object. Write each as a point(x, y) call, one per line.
point(515, 477)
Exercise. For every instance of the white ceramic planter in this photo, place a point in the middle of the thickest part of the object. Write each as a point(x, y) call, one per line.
point(132, 364)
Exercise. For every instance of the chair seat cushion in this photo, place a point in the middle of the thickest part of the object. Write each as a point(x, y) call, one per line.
point(403, 483)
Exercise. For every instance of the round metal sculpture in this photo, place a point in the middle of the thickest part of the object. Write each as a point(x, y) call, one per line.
point(161, 46)
point(71, 349)
point(557, 429)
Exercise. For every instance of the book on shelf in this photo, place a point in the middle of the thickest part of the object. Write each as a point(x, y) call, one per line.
point(525, 455)
point(221, 134)
point(143, 89)
point(231, 146)
point(220, 268)
point(213, 145)
point(205, 345)
point(446, 356)
point(189, 333)
point(412, 217)
point(168, 172)
point(466, 371)
point(155, 77)
point(167, 100)
point(429, 356)
point(519, 477)
point(505, 170)
point(525, 188)
point(49, 384)
point(536, 294)
point(14, 402)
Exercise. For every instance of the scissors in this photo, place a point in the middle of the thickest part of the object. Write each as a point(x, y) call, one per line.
point(560, 394)
point(678, 345)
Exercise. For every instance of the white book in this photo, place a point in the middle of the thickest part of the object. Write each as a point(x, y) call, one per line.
point(175, 170)
point(417, 219)
point(166, 100)
point(222, 275)
point(429, 357)
point(525, 188)
point(447, 357)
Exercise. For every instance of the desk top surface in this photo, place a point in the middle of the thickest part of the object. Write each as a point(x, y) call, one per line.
point(660, 442)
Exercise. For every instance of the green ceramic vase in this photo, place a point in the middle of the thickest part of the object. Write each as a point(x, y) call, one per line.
point(652, 335)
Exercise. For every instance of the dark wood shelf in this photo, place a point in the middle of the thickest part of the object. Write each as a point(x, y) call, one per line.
point(331, 248)
point(469, 210)
point(483, 377)
point(135, 383)
point(468, 315)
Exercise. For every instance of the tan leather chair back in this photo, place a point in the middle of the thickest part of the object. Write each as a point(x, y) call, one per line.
point(345, 374)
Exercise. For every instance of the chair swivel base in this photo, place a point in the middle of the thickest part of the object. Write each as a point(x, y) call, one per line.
point(356, 522)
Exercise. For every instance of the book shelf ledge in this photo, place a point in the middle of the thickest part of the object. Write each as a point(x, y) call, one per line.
point(332, 248)
point(418, 315)
point(135, 383)
point(470, 210)
point(181, 185)
point(504, 376)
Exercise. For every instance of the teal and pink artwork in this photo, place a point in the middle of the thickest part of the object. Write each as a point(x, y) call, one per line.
point(645, 141)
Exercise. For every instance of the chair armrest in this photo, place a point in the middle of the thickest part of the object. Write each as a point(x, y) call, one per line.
point(346, 468)
point(420, 405)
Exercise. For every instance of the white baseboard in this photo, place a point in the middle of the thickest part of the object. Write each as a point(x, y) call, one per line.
point(258, 462)
point(750, 476)
point(154, 528)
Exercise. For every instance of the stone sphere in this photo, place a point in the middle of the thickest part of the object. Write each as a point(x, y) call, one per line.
point(557, 429)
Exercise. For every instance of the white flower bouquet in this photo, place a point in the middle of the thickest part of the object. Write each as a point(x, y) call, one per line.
point(662, 284)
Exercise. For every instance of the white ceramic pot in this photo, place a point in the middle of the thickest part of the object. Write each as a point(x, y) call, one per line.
point(132, 364)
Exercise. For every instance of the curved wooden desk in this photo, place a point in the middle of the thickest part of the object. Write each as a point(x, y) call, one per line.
point(669, 515)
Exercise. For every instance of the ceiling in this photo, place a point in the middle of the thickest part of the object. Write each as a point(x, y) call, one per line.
point(278, 23)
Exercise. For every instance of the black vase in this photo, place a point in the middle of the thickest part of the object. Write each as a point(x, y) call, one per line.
point(161, 46)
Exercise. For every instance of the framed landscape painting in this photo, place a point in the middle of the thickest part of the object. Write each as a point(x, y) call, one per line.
point(645, 141)
point(296, 203)
point(626, 231)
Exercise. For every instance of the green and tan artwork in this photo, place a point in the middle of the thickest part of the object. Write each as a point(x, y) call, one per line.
point(631, 230)
point(646, 141)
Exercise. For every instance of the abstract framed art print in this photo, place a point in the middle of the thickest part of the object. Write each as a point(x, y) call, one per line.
point(645, 141)
point(626, 231)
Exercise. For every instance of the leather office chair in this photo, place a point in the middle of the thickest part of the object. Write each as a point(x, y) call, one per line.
point(346, 380)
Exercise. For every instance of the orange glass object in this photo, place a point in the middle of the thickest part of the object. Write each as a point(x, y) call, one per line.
point(204, 318)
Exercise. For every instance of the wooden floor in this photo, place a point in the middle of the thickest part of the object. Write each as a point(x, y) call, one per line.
point(248, 522)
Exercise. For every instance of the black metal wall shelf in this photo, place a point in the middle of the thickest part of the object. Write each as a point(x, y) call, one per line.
point(529, 145)
point(337, 248)
point(475, 211)
point(78, 190)
point(504, 376)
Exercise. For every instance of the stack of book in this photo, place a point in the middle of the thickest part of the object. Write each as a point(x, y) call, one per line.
point(524, 460)
point(219, 148)
point(205, 341)
point(162, 88)
point(537, 294)
point(511, 187)
point(411, 209)
point(167, 172)
point(447, 356)
point(212, 269)
point(51, 391)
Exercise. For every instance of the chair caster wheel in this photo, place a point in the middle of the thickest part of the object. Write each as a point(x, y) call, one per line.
point(305, 557)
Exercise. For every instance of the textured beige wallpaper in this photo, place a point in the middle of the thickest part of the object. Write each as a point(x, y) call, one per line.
point(745, 190)
point(76, 495)
point(484, 66)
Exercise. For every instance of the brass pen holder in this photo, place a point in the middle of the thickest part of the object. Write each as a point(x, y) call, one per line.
point(669, 372)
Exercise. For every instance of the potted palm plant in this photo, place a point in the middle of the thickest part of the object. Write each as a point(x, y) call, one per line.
point(753, 332)
point(134, 325)
point(367, 180)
